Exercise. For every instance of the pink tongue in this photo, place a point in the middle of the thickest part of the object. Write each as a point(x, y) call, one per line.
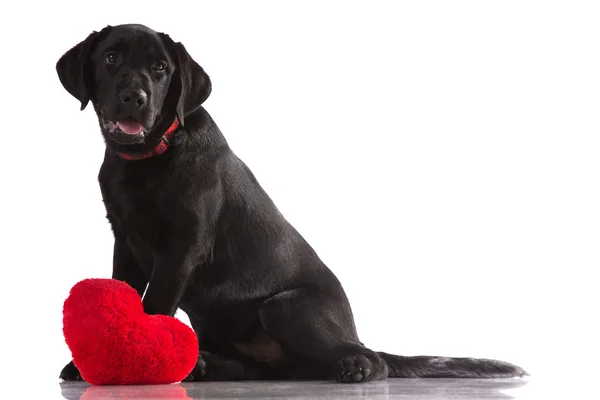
point(130, 127)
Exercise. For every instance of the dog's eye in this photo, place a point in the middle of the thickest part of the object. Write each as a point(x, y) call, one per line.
point(159, 66)
point(111, 58)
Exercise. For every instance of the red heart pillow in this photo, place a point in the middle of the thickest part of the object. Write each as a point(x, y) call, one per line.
point(114, 342)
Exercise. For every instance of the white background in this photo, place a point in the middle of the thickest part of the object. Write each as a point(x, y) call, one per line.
point(441, 157)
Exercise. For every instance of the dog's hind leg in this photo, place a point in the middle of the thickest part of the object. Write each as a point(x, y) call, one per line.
point(321, 327)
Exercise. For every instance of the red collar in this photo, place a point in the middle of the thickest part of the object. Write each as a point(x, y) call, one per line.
point(160, 148)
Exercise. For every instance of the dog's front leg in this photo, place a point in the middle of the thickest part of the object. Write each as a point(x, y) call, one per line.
point(175, 258)
point(126, 267)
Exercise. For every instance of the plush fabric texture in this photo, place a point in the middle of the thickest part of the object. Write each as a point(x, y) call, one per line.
point(113, 342)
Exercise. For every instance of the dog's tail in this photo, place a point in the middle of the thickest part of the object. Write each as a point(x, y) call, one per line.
point(445, 367)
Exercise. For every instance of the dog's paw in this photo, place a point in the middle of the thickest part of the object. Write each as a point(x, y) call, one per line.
point(360, 368)
point(354, 369)
point(70, 373)
point(213, 367)
point(198, 373)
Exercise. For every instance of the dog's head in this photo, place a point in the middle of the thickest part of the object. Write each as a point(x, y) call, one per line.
point(137, 79)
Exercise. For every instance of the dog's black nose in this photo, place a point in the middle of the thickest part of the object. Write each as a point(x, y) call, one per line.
point(136, 96)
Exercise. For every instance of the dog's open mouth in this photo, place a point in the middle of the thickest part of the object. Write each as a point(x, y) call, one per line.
point(126, 131)
point(129, 126)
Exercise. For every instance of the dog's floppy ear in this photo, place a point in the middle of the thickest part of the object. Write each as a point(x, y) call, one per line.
point(190, 81)
point(74, 69)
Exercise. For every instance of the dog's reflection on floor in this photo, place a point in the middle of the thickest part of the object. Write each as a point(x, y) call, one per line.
point(430, 389)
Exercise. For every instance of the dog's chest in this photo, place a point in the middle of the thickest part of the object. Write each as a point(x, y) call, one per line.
point(133, 205)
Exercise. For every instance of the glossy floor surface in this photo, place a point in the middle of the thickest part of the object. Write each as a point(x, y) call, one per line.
point(391, 389)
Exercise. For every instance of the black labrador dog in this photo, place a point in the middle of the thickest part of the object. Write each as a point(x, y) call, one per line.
point(194, 229)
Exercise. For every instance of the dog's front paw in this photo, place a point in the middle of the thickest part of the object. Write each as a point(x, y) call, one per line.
point(198, 373)
point(70, 373)
point(213, 367)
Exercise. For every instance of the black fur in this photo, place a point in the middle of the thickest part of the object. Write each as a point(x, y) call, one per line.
point(194, 229)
